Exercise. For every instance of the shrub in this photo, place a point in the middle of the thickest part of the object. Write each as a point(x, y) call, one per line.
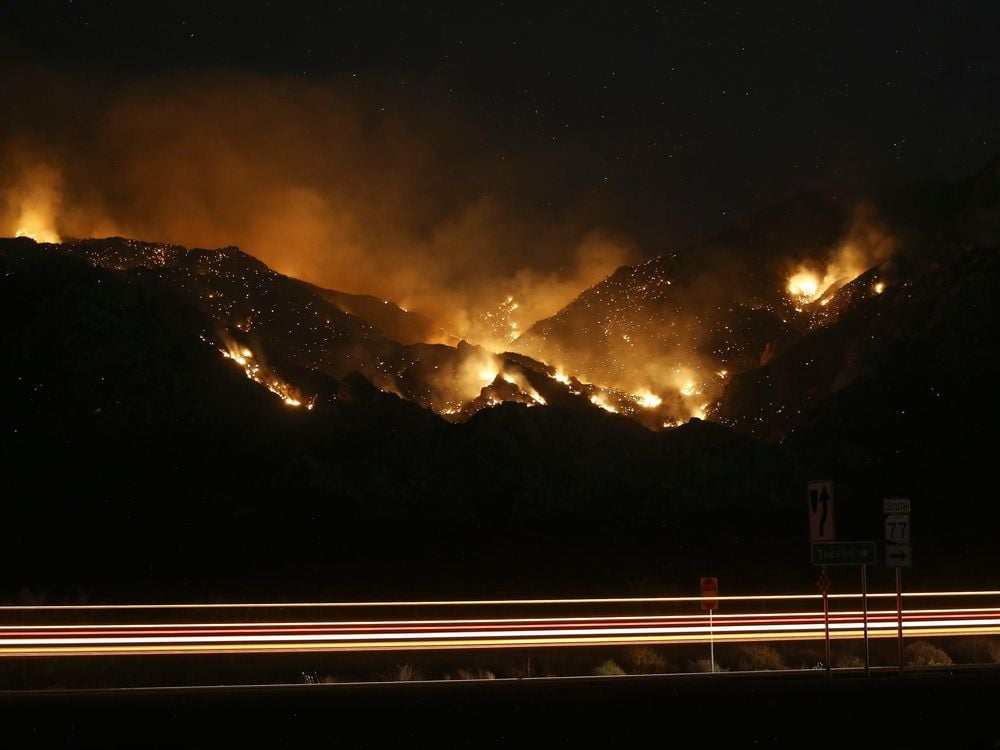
point(644, 660)
point(924, 654)
point(757, 657)
point(607, 667)
point(976, 650)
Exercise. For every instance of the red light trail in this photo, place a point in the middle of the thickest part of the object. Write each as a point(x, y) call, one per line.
point(33, 636)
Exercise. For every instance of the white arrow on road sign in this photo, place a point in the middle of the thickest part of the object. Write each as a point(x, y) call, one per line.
point(898, 556)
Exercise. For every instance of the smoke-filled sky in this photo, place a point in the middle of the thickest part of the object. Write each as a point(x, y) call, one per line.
point(451, 155)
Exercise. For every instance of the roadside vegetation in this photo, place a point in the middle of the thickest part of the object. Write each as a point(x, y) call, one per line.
point(622, 662)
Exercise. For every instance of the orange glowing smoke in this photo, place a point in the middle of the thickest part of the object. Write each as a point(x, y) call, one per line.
point(866, 245)
point(319, 181)
point(32, 203)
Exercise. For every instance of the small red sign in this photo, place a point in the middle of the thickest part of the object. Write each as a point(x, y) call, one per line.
point(709, 588)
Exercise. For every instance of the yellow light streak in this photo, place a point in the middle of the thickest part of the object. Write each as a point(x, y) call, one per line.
point(75, 639)
point(487, 602)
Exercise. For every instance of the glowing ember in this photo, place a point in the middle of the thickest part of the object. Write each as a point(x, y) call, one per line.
point(689, 389)
point(879, 287)
point(257, 373)
point(647, 399)
point(496, 328)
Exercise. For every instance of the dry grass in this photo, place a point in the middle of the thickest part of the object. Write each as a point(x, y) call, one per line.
point(402, 673)
point(477, 673)
point(523, 671)
point(702, 664)
point(848, 661)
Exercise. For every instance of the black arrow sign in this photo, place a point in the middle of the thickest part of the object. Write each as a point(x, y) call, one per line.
point(901, 555)
point(815, 498)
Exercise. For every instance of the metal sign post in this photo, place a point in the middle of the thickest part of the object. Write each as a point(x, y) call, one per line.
point(710, 588)
point(711, 641)
point(899, 618)
point(898, 554)
point(824, 587)
point(864, 617)
point(822, 531)
point(849, 553)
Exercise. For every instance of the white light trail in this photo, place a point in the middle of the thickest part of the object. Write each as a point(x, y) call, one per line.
point(38, 638)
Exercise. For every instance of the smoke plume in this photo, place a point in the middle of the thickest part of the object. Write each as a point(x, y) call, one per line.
point(410, 199)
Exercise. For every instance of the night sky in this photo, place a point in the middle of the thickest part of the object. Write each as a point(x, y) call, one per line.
point(654, 124)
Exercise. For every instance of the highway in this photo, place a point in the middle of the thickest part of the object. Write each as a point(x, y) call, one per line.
point(194, 703)
point(148, 629)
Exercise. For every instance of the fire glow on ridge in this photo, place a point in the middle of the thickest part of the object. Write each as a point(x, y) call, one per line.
point(256, 372)
point(804, 286)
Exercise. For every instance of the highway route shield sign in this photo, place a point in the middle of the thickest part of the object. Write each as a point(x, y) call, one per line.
point(897, 529)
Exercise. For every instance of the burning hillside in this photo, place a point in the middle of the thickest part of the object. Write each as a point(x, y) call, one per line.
point(659, 343)
point(270, 325)
point(681, 326)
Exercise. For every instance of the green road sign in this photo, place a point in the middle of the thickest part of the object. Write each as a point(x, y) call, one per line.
point(843, 553)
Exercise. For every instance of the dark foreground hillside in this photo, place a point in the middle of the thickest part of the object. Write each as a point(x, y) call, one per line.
point(139, 463)
point(809, 710)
